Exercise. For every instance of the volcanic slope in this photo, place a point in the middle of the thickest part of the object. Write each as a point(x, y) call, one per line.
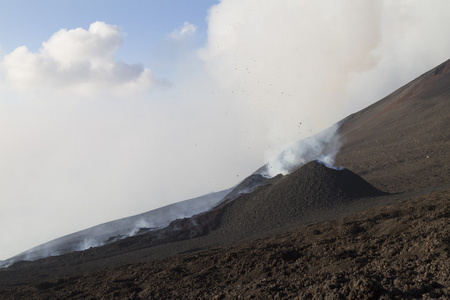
point(115, 230)
point(402, 251)
point(401, 143)
point(311, 193)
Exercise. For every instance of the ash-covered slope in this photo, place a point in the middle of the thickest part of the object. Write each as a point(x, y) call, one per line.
point(312, 193)
point(401, 142)
point(247, 186)
point(400, 251)
point(306, 195)
point(121, 228)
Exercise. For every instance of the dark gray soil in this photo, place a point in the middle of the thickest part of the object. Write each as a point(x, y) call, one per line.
point(396, 251)
point(401, 142)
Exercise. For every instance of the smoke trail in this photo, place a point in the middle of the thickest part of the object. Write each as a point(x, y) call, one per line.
point(119, 229)
point(322, 146)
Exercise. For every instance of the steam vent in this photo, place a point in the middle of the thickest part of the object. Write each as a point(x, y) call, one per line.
point(309, 194)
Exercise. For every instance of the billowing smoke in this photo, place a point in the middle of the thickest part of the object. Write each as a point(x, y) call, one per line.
point(322, 146)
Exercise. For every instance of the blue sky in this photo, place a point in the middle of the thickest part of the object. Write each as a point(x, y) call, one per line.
point(114, 108)
point(146, 24)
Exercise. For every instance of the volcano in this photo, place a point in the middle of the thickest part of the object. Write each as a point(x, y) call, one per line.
point(377, 228)
point(306, 195)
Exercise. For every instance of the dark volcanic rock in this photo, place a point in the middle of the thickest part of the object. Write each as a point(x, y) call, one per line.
point(311, 191)
point(248, 185)
point(324, 183)
point(308, 194)
point(399, 251)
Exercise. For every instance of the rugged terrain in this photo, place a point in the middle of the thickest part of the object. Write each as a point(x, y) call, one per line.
point(400, 250)
point(379, 229)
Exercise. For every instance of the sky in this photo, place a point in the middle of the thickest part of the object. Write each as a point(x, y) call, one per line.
point(113, 108)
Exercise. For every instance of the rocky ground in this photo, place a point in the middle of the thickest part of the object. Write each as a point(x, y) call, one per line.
point(398, 251)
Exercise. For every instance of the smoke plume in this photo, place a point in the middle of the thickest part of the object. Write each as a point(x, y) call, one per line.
point(322, 146)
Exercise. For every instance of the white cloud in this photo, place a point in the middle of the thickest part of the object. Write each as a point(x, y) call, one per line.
point(77, 60)
point(186, 30)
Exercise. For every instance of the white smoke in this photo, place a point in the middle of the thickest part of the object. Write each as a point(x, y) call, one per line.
point(322, 146)
point(87, 244)
point(119, 229)
point(291, 61)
